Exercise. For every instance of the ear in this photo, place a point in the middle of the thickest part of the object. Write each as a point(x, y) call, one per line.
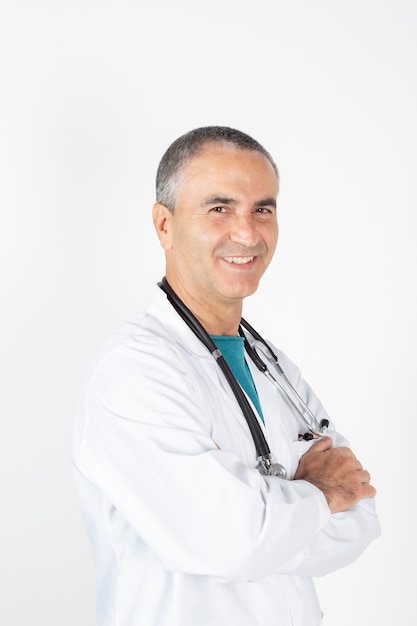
point(162, 220)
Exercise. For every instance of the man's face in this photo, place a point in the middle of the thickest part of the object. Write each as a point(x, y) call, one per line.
point(224, 230)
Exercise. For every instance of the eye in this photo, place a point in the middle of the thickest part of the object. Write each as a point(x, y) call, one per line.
point(263, 210)
point(218, 209)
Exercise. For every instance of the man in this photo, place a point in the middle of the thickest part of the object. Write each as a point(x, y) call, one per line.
point(187, 526)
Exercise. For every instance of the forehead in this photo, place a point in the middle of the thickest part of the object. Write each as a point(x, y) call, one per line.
point(225, 164)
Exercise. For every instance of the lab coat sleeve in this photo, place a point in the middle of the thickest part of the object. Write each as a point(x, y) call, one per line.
point(143, 441)
point(339, 543)
point(345, 535)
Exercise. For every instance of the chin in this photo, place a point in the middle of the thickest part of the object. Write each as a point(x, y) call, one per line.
point(242, 291)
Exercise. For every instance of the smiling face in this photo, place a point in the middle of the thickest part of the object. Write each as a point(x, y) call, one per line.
point(223, 232)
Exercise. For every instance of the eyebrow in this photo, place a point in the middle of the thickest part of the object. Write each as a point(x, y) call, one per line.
point(226, 200)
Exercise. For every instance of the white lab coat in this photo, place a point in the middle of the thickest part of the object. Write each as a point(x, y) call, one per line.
point(185, 532)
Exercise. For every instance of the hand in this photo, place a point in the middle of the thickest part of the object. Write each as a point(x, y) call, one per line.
point(337, 473)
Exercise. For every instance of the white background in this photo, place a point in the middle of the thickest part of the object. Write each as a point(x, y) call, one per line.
point(92, 93)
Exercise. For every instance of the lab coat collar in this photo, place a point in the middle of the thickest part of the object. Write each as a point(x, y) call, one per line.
point(175, 329)
point(160, 308)
point(173, 326)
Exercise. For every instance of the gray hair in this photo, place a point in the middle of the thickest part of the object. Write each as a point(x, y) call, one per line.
point(183, 149)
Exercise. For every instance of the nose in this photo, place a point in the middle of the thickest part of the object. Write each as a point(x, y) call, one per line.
point(243, 230)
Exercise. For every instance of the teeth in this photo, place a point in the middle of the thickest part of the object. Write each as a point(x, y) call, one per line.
point(239, 260)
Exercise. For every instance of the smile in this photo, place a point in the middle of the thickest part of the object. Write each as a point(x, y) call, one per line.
point(238, 260)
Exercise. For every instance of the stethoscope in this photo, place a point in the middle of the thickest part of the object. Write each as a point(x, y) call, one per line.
point(265, 461)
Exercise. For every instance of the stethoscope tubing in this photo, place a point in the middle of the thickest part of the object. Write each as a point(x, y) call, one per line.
point(266, 464)
point(311, 422)
point(261, 445)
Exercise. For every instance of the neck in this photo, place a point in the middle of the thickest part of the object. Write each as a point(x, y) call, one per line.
point(220, 320)
point(221, 324)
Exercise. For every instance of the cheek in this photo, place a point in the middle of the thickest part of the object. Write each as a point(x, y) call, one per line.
point(203, 241)
point(188, 249)
point(274, 235)
point(274, 244)
point(270, 238)
point(196, 241)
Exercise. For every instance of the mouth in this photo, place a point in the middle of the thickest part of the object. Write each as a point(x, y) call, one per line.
point(238, 260)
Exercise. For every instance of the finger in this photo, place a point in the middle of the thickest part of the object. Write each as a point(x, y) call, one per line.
point(369, 491)
point(347, 452)
point(364, 477)
point(325, 443)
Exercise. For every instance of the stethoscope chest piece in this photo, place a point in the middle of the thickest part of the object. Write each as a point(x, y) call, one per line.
point(267, 466)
